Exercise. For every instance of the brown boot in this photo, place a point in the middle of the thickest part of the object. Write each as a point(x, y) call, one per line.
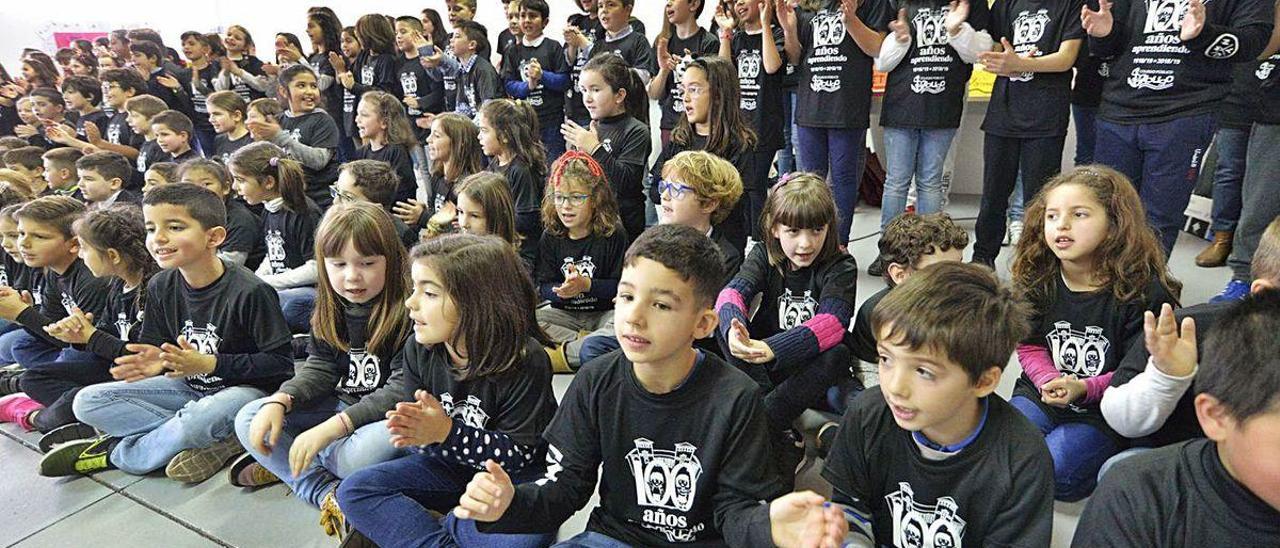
point(1216, 254)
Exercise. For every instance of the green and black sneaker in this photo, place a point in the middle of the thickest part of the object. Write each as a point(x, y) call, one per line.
point(79, 457)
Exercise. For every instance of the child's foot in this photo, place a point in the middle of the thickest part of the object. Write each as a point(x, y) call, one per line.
point(66, 433)
point(197, 465)
point(9, 381)
point(331, 518)
point(18, 409)
point(79, 457)
point(246, 472)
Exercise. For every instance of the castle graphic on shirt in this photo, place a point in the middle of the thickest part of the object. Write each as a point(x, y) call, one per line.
point(917, 525)
point(749, 63)
point(535, 92)
point(930, 30)
point(206, 341)
point(1028, 29)
point(677, 92)
point(4, 277)
point(363, 371)
point(794, 310)
point(825, 60)
point(585, 267)
point(275, 251)
point(931, 47)
point(468, 410)
point(666, 482)
point(68, 303)
point(1083, 354)
point(1165, 16)
point(113, 133)
point(123, 325)
point(366, 74)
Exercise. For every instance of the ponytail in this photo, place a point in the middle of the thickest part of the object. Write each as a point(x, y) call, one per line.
point(516, 124)
point(292, 182)
point(615, 72)
point(261, 160)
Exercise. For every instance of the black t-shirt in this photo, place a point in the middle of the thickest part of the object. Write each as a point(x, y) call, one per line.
point(518, 403)
point(149, 153)
point(12, 272)
point(252, 65)
point(1156, 77)
point(441, 194)
point(699, 44)
point(97, 118)
point(118, 132)
point(1091, 76)
point(546, 102)
point(29, 279)
point(505, 40)
point(236, 318)
point(860, 339)
point(416, 83)
point(59, 293)
point(244, 233)
point(632, 48)
point(332, 96)
point(398, 157)
point(625, 145)
point(188, 155)
point(1033, 104)
point(791, 297)
point(1269, 103)
point(596, 257)
point(926, 89)
point(835, 74)
point(201, 87)
point(1087, 334)
point(224, 146)
point(688, 467)
point(372, 72)
point(289, 237)
point(762, 95)
point(996, 491)
point(315, 129)
point(1176, 496)
point(526, 193)
point(1240, 106)
point(120, 323)
point(356, 372)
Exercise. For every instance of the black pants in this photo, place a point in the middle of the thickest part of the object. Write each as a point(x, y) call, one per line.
point(1038, 159)
point(790, 388)
point(756, 190)
point(56, 384)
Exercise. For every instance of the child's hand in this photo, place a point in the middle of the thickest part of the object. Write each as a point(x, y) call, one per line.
point(665, 59)
point(580, 138)
point(724, 18)
point(1193, 21)
point(804, 519)
point(743, 347)
point(271, 69)
point(185, 360)
point(410, 101)
point(143, 363)
point(169, 81)
point(419, 40)
point(230, 66)
point(25, 130)
point(1172, 354)
point(13, 303)
point(488, 495)
point(533, 71)
point(74, 329)
point(1062, 391)
point(337, 62)
point(264, 431)
point(347, 79)
point(957, 16)
point(409, 211)
point(308, 444)
point(263, 130)
point(92, 134)
point(420, 422)
point(1003, 63)
point(1097, 23)
point(61, 133)
point(901, 27)
point(574, 284)
point(432, 61)
point(573, 37)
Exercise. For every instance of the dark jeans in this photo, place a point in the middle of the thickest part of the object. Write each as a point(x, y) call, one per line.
point(790, 388)
point(205, 142)
point(1078, 451)
point(1228, 178)
point(787, 156)
point(388, 503)
point(1259, 193)
point(839, 154)
point(1086, 119)
point(55, 385)
point(755, 191)
point(1163, 160)
point(1037, 159)
point(554, 141)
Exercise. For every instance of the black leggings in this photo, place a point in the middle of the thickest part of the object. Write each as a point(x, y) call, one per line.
point(56, 384)
point(1037, 159)
point(790, 388)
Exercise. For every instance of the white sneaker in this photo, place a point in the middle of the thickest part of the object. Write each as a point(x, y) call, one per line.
point(1007, 237)
point(1015, 232)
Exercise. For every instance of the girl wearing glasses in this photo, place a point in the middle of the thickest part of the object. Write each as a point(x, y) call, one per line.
point(579, 255)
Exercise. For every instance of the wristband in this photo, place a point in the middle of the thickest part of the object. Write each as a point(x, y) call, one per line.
point(346, 422)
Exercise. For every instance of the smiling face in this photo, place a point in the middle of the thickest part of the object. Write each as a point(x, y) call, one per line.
point(175, 239)
point(681, 205)
point(224, 120)
point(234, 41)
point(350, 45)
point(747, 10)
point(600, 98)
point(927, 392)
point(513, 18)
point(42, 244)
point(435, 318)
point(800, 245)
point(656, 315)
point(471, 218)
point(304, 93)
point(438, 143)
point(697, 96)
point(1075, 223)
point(355, 277)
point(115, 96)
point(194, 50)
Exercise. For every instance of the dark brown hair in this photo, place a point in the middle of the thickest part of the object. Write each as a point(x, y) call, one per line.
point(59, 212)
point(909, 237)
point(516, 125)
point(730, 133)
point(492, 192)
point(802, 201)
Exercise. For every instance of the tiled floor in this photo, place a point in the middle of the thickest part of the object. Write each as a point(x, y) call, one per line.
point(114, 509)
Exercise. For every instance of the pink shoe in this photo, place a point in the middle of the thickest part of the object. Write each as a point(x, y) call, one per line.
point(17, 408)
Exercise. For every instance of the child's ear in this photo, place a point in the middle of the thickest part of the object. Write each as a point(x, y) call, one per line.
point(75, 245)
point(217, 235)
point(706, 324)
point(1214, 417)
point(113, 256)
point(709, 206)
point(116, 183)
point(898, 273)
point(269, 182)
point(987, 382)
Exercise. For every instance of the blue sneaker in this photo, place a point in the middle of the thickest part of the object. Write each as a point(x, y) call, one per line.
point(1235, 290)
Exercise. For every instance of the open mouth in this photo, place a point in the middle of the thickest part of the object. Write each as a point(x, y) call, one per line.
point(1063, 242)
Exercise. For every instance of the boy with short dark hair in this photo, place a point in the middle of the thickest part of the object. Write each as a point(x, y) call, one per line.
point(102, 179)
point(118, 87)
point(212, 327)
point(148, 58)
point(423, 93)
point(476, 79)
point(681, 435)
point(931, 453)
point(1219, 491)
point(534, 68)
point(173, 131)
point(50, 110)
point(60, 174)
point(28, 161)
point(376, 182)
point(83, 95)
point(141, 110)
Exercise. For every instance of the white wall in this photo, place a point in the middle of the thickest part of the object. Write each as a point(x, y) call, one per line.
point(31, 23)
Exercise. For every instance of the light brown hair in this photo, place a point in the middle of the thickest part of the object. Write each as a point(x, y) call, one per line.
point(803, 201)
point(713, 179)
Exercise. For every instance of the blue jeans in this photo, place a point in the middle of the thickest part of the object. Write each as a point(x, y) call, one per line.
point(594, 346)
point(369, 445)
point(1086, 119)
point(837, 154)
point(9, 339)
point(1228, 178)
point(592, 539)
point(30, 351)
point(554, 141)
point(1017, 202)
point(1078, 451)
point(1163, 160)
point(388, 503)
point(297, 304)
point(159, 417)
point(914, 153)
point(787, 156)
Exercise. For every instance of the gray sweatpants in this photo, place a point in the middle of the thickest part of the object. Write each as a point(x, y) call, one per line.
point(1260, 197)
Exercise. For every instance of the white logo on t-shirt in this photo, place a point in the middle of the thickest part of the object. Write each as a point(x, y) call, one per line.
point(468, 411)
point(586, 266)
point(1028, 29)
point(666, 483)
point(362, 370)
point(917, 525)
point(68, 303)
point(205, 340)
point(794, 310)
point(929, 28)
point(1165, 15)
point(1080, 353)
point(1264, 70)
point(275, 251)
point(1150, 79)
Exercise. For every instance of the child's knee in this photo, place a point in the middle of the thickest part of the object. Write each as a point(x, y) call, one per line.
point(89, 400)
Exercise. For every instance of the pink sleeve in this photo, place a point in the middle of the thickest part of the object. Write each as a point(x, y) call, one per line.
point(733, 297)
point(1037, 364)
point(1095, 386)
